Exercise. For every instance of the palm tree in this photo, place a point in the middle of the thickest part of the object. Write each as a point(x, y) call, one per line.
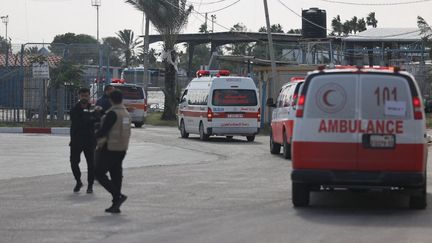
point(32, 50)
point(128, 45)
point(169, 17)
point(371, 20)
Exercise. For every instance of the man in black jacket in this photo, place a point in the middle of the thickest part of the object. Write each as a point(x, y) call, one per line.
point(104, 102)
point(82, 139)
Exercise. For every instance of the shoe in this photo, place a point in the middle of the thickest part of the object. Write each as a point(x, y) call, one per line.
point(77, 187)
point(120, 201)
point(113, 209)
point(89, 189)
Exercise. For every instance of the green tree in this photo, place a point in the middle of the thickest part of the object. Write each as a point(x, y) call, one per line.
point(33, 50)
point(295, 31)
point(67, 73)
point(203, 28)
point(371, 20)
point(361, 25)
point(239, 48)
point(260, 49)
point(128, 45)
point(426, 32)
point(114, 46)
point(79, 49)
point(169, 17)
point(337, 26)
point(353, 25)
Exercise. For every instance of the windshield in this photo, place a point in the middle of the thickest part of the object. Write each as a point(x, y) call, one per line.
point(231, 97)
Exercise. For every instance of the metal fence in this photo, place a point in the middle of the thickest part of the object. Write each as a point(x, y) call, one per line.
point(25, 98)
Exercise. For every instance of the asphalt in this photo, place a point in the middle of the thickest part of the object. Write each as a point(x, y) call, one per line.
point(188, 191)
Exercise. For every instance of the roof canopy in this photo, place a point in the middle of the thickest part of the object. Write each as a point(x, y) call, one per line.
point(386, 35)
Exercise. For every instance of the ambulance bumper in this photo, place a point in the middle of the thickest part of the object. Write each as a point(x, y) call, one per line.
point(355, 178)
point(228, 131)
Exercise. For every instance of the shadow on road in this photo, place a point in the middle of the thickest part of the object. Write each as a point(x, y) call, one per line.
point(222, 140)
point(375, 209)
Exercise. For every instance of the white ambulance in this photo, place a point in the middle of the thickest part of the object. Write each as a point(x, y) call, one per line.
point(359, 129)
point(215, 103)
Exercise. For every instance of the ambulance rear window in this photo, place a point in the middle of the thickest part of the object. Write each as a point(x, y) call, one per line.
point(131, 93)
point(385, 97)
point(234, 97)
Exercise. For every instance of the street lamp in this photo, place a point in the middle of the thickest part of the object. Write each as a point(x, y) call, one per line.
point(97, 4)
point(5, 20)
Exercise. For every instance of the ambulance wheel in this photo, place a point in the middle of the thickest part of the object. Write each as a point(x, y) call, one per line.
point(183, 132)
point(229, 137)
point(274, 147)
point(250, 138)
point(138, 124)
point(203, 136)
point(300, 194)
point(419, 201)
point(286, 147)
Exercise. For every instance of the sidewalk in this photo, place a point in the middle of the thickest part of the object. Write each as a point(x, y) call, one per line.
point(37, 130)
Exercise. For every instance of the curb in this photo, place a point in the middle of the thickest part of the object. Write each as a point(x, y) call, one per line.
point(35, 130)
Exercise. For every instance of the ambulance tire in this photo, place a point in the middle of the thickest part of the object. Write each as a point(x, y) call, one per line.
point(286, 147)
point(203, 135)
point(274, 147)
point(419, 201)
point(183, 132)
point(300, 194)
point(250, 138)
point(138, 124)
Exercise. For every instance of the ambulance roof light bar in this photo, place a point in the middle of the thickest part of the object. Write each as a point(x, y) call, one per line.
point(211, 73)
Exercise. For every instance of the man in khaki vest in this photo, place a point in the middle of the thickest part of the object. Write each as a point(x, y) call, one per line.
point(113, 140)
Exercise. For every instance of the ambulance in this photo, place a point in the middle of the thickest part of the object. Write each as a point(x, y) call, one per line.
point(217, 104)
point(359, 129)
point(283, 116)
point(135, 100)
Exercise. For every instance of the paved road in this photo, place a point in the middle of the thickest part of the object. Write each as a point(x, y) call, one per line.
point(187, 191)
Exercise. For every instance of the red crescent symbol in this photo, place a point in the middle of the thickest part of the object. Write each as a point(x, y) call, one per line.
point(325, 98)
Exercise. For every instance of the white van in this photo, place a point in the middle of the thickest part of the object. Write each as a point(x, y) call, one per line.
point(359, 129)
point(135, 100)
point(215, 103)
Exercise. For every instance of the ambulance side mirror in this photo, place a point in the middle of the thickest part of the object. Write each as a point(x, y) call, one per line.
point(270, 102)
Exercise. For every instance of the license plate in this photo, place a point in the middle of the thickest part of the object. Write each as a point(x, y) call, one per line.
point(235, 115)
point(382, 141)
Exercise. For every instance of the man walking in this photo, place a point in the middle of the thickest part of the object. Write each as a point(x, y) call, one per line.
point(82, 139)
point(113, 141)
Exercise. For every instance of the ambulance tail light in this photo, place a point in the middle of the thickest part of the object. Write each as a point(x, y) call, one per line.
point(259, 115)
point(300, 106)
point(209, 115)
point(418, 113)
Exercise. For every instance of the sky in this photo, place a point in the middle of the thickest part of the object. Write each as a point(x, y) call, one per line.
point(41, 20)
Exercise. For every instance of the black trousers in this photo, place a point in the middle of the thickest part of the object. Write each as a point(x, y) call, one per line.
point(75, 158)
point(110, 161)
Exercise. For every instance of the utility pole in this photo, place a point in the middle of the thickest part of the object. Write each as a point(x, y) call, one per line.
point(146, 80)
point(213, 17)
point(271, 50)
point(205, 23)
point(5, 20)
point(97, 4)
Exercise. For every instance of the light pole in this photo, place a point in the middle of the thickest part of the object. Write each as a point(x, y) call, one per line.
point(5, 20)
point(97, 4)
point(213, 17)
